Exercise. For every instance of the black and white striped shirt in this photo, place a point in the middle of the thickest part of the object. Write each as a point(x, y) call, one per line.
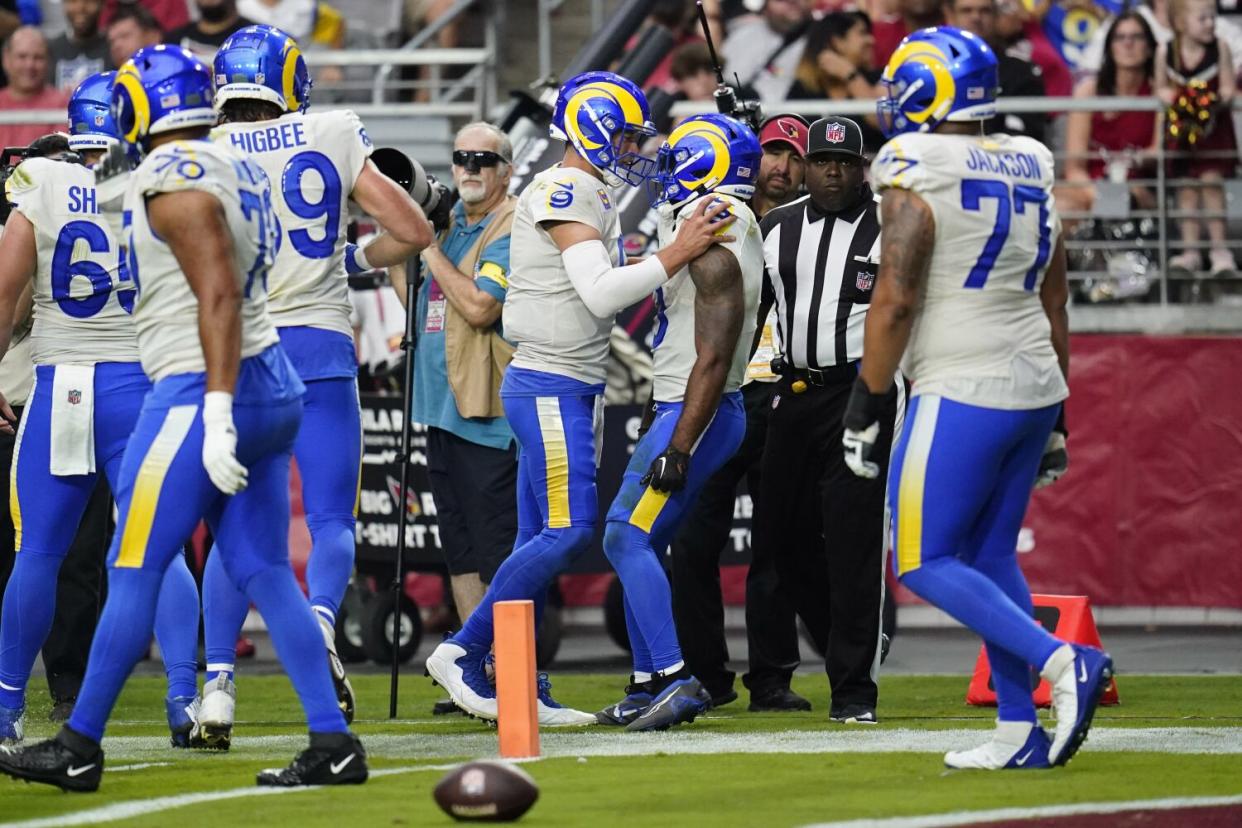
point(821, 269)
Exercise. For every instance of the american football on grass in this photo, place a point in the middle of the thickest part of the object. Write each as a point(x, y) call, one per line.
point(486, 791)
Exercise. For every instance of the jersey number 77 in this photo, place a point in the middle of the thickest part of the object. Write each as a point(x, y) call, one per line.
point(1008, 202)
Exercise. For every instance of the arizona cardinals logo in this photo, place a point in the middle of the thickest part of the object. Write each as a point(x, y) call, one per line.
point(412, 506)
point(788, 128)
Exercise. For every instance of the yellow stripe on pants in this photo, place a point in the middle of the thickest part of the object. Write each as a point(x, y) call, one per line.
point(556, 460)
point(149, 483)
point(648, 509)
point(910, 488)
point(15, 503)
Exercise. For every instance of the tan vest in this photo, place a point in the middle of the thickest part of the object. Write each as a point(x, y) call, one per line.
point(476, 359)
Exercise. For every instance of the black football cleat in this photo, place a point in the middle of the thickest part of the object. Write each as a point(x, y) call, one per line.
point(331, 759)
point(778, 699)
point(71, 762)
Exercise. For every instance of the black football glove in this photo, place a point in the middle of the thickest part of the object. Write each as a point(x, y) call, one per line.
point(668, 471)
point(113, 163)
point(1056, 458)
point(862, 427)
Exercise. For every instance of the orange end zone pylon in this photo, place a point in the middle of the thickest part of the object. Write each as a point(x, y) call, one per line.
point(518, 719)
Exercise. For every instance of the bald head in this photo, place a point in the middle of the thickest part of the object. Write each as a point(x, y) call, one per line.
point(25, 61)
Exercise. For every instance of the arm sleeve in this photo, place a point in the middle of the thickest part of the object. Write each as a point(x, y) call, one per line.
point(606, 289)
point(491, 274)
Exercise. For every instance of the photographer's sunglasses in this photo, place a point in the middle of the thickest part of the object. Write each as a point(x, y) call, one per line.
point(473, 160)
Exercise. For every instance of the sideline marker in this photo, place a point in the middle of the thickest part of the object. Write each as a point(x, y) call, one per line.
point(518, 720)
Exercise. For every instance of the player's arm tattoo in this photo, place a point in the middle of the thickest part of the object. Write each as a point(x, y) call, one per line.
point(907, 238)
point(1054, 295)
point(719, 311)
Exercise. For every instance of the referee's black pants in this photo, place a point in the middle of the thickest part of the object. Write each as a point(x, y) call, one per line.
point(825, 527)
point(697, 604)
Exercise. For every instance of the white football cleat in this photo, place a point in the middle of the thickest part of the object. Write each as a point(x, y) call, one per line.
point(214, 729)
point(552, 713)
point(1014, 745)
point(460, 672)
point(1079, 675)
point(340, 682)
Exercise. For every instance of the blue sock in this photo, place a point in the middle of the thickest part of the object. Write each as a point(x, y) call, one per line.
point(299, 645)
point(638, 648)
point(29, 604)
point(1011, 676)
point(121, 638)
point(648, 599)
point(176, 628)
point(975, 601)
point(331, 562)
point(224, 612)
point(525, 575)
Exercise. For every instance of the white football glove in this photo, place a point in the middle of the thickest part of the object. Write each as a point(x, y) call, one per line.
point(220, 443)
point(858, 447)
point(863, 411)
point(1054, 461)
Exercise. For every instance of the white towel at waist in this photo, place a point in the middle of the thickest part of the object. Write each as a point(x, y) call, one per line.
point(73, 420)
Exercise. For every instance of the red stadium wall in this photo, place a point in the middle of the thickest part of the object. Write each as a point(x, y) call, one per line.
point(1150, 512)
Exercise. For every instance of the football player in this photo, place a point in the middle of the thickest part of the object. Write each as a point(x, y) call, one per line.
point(89, 387)
point(569, 278)
point(707, 313)
point(972, 290)
point(317, 162)
point(215, 435)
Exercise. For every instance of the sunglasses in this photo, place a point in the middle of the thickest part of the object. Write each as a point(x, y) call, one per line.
point(476, 159)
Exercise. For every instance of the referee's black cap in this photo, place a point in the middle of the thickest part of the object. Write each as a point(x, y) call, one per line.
point(835, 134)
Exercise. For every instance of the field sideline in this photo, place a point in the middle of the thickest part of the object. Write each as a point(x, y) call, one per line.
point(1172, 738)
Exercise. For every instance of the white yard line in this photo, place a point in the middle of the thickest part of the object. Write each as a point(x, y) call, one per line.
point(1040, 812)
point(139, 766)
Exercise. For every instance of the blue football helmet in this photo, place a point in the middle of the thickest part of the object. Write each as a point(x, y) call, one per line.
point(706, 154)
point(262, 63)
point(91, 126)
point(937, 74)
point(597, 112)
point(160, 89)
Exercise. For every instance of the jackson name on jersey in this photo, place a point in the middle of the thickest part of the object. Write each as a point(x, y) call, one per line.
point(82, 296)
point(982, 337)
point(166, 313)
point(313, 162)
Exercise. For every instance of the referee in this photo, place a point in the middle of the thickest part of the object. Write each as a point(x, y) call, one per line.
point(824, 524)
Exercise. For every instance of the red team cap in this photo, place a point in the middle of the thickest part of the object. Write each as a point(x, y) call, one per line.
point(791, 129)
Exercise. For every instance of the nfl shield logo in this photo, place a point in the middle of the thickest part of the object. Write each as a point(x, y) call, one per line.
point(865, 280)
point(834, 133)
point(75, 397)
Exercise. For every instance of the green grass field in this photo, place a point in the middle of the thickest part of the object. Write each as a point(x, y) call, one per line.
point(1170, 737)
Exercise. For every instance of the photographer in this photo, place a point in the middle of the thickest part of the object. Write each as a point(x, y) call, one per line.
point(458, 364)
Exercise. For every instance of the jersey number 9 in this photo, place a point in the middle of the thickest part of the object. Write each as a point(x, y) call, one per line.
point(327, 207)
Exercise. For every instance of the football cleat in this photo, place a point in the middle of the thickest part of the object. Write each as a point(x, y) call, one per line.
point(340, 682)
point(460, 672)
point(853, 714)
point(679, 702)
point(70, 762)
point(12, 724)
point(637, 699)
point(331, 759)
point(552, 713)
point(214, 729)
point(1014, 746)
point(1076, 691)
point(182, 712)
point(779, 699)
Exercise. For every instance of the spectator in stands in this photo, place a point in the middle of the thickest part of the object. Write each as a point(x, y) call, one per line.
point(131, 28)
point(25, 62)
point(217, 19)
point(81, 50)
point(310, 22)
point(1114, 145)
point(1156, 13)
point(1018, 78)
point(764, 52)
point(1196, 56)
point(167, 14)
point(1020, 35)
point(693, 72)
point(836, 65)
point(911, 16)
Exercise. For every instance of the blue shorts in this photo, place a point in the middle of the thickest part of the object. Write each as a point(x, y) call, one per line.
point(556, 440)
point(164, 490)
point(45, 508)
point(960, 479)
point(659, 513)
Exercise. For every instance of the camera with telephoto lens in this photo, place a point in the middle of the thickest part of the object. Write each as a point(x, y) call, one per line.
point(435, 198)
point(54, 145)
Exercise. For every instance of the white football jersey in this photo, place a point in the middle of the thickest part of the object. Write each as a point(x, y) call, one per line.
point(82, 297)
point(674, 345)
point(313, 162)
point(981, 336)
point(166, 313)
point(543, 314)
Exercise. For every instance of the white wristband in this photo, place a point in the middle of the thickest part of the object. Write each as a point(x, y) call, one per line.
point(217, 407)
point(360, 259)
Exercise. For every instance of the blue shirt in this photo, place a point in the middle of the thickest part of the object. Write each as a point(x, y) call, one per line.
point(433, 403)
